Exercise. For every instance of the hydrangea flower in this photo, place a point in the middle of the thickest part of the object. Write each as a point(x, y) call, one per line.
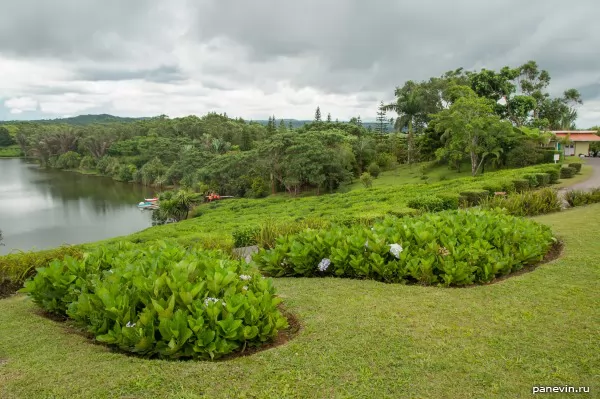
point(245, 277)
point(210, 300)
point(324, 264)
point(396, 249)
point(130, 324)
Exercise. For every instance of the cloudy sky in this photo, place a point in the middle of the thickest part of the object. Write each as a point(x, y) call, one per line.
point(262, 57)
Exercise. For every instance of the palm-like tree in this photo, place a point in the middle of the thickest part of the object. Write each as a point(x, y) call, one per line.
point(410, 106)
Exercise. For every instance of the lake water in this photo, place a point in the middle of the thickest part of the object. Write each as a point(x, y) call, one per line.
point(46, 208)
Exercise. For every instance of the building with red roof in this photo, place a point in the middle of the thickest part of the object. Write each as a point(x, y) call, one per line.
point(579, 141)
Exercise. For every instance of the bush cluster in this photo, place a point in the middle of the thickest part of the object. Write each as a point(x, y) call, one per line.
point(576, 166)
point(162, 300)
point(473, 197)
point(578, 197)
point(446, 248)
point(521, 185)
point(529, 203)
point(567, 172)
point(434, 203)
point(18, 267)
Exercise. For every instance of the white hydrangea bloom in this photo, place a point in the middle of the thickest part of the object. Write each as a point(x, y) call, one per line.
point(396, 249)
point(245, 277)
point(210, 300)
point(324, 264)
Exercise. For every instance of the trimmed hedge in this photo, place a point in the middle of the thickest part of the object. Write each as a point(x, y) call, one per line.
point(576, 166)
point(543, 179)
point(473, 197)
point(521, 185)
point(567, 173)
point(434, 203)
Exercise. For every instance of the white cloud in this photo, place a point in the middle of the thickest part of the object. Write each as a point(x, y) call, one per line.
point(190, 57)
point(19, 105)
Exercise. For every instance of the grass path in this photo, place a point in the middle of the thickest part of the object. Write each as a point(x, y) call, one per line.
point(360, 339)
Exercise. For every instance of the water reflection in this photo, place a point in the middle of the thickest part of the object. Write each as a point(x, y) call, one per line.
point(45, 208)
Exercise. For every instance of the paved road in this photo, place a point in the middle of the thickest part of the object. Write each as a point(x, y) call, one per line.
point(594, 180)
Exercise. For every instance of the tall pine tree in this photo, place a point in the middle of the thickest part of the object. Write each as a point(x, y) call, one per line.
point(382, 121)
point(318, 114)
point(329, 118)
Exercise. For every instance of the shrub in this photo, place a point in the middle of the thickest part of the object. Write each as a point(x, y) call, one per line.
point(543, 179)
point(578, 197)
point(529, 203)
point(567, 173)
point(525, 154)
point(18, 267)
point(521, 185)
point(576, 166)
point(493, 187)
point(553, 174)
point(87, 163)
point(366, 179)
point(162, 300)
point(386, 161)
point(532, 179)
point(434, 203)
point(474, 197)
point(374, 170)
point(446, 248)
point(245, 237)
point(68, 160)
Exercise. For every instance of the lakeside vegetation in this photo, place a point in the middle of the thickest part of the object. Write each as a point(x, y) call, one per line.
point(429, 204)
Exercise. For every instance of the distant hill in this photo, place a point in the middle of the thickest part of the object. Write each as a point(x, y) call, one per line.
point(82, 120)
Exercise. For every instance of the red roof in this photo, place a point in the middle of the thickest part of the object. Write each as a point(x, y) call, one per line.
point(579, 136)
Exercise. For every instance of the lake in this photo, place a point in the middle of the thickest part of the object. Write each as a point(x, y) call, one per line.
point(46, 208)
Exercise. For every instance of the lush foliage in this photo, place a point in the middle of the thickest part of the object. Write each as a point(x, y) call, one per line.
point(446, 248)
point(529, 203)
point(434, 203)
point(567, 172)
point(576, 166)
point(163, 300)
point(579, 197)
point(18, 267)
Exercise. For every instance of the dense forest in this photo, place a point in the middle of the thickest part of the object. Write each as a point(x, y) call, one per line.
point(485, 118)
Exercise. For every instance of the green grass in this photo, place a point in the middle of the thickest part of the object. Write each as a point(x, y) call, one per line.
point(219, 219)
point(360, 339)
point(10, 152)
point(406, 174)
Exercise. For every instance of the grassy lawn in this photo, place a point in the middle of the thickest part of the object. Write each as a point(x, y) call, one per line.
point(405, 174)
point(360, 339)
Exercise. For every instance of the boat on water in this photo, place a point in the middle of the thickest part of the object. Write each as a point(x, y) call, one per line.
point(147, 205)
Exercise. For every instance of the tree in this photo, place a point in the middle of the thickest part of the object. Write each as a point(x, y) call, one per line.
point(329, 118)
point(381, 119)
point(290, 126)
point(472, 127)
point(282, 127)
point(5, 137)
point(410, 106)
point(1, 238)
point(318, 114)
